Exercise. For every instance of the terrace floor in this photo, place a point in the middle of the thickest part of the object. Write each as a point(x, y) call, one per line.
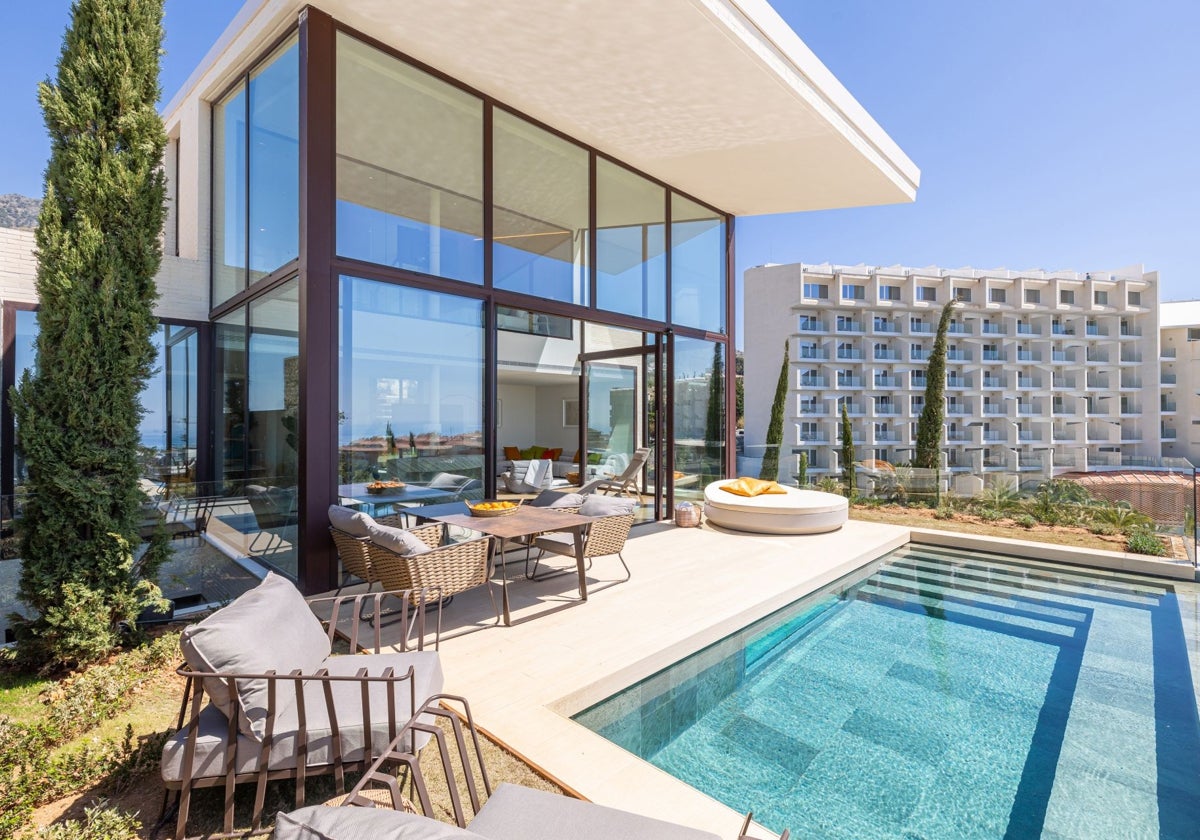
point(690, 587)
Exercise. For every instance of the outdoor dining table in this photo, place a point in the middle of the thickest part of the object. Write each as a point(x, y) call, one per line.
point(410, 494)
point(528, 521)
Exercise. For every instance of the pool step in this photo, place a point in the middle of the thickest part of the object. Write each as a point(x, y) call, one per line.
point(763, 649)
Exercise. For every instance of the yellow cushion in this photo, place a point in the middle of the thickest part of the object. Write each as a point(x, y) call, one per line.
point(751, 487)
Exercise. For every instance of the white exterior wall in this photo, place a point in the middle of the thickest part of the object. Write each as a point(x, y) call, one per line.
point(18, 266)
point(1030, 386)
point(1179, 363)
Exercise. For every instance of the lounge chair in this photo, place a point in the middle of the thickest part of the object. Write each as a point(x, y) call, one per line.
point(626, 482)
point(374, 808)
point(279, 705)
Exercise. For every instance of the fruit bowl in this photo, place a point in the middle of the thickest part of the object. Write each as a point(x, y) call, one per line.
point(378, 487)
point(493, 508)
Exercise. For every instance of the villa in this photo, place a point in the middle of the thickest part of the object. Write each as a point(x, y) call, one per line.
point(403, 240)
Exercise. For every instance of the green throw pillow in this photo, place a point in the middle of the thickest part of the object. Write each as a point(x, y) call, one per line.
point(533, 453)
point(594, 457)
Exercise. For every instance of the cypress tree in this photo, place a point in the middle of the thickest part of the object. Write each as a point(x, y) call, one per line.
point(98, 252)
point(770, 464)
point(714, 426)
point(933, 413)
point(847, 452)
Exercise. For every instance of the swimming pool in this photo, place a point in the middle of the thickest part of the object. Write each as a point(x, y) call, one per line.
point(942, 694)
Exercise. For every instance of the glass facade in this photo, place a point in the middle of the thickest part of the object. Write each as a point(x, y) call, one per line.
point(631, 263)
point(409, 167)
point(697, 266)
point(256, 174)
point(540, 212)
point(169, 430)
point(699, 412)
point(411, 380)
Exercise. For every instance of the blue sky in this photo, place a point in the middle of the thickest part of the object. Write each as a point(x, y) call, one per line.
point(1050, 133)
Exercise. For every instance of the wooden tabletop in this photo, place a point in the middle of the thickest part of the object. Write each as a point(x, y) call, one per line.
point(526, 521)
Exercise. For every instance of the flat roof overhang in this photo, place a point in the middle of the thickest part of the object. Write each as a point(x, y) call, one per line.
point(719, 98)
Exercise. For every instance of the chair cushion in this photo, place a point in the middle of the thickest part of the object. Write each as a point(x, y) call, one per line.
point(353, 522)
point(269, 628)
point(751, 487)
point(566, 500)
point(404, 543)
point(319, 822)
point(597, 505)
point(209, 760)
point(514, 812)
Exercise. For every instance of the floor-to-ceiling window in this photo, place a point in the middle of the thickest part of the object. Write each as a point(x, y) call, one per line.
point(411, 385)
point(540, 207)
point(697, 265)
point(409, 167)
point(699, 413)
point(256, 168)
point(631, 265)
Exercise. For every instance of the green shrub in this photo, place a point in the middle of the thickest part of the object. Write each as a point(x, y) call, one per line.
point(1025, 520)
point(944, 512)
point(829, 484)
point(100, 822)
point(1121, 516)
point(1104, 529)
point(990, 515)
point(1145, 541)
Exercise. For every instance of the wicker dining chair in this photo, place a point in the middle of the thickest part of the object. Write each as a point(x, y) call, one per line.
point(604, 537)
point(355, 552)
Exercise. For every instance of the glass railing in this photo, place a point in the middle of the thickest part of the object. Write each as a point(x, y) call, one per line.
point(1168, 378)
point(994, 356)
point(1169, 405)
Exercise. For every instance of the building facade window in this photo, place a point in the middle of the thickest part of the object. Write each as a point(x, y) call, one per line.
point(1066, 297)
point(631, 243)
point(816, 291)
point(997, 295)
point(962, 295)
point(853, 291)
point(409, 167)
point(697, 266)
point(1193, 334)
point(1033, 296)
point(927, 294)
point(889, 293)
point(1134, 298)
point(256, 174)
point(1100, 297)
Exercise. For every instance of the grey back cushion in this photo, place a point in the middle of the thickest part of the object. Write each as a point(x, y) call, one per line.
point(352, 522)
point(596, 505)
point(269, 628)
point(398, 540)
point(555, 499)
point(319, 822)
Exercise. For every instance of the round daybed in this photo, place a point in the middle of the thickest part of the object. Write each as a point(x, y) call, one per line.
point(794, 512)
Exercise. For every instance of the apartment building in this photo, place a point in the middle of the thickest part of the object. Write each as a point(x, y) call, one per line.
point(1046, 371)
point(1179, 379)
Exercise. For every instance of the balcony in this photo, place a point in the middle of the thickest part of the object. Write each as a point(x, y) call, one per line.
point(849, 381)
point(853, 409)
point(887, 382)
point(1130, 409)
point(1028, 437)
point(1028, 462)
point(887, 437)
point(1028, 356)
point(955, 410)
point(918, 354)
point(1027, 329)
point(921, 329)
point(958, 355)
point(1130, 383)
point(852, 353)
point(886, 327)
point(887, 410)
point(1058, 329)
point(1097, 383)
point(1131, 358)
point(1130, 332)
point(815, 437)
point(993, 382)
point(993, 410)
point(1169, 434)
point(1167, 353)
point(1097, 358)
point(887, 355)
point(958, 329)
point(994, 356)
point(1062, 411)
point(813, 326)
point(849, 327)
point(814, 381)
point(1168, 378)
point(810, 410)
point(993, 329)
point(813, 353)
point(1062, 357)
point(1169, 406)
point(1025, 410)
point(918, 382)
point(957, 436)
point(957, 382)
point(1062, 384)
point(1063, 436)
point(1097, 331)
point(1028, 382)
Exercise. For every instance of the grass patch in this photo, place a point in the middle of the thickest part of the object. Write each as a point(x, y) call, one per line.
point(20, 696)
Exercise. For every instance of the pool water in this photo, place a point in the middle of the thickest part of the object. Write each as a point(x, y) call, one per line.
point(944, 694)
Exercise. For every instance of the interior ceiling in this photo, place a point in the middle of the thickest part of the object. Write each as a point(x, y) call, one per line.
point(690, 91)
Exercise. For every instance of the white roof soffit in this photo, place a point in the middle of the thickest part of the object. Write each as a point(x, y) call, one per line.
point(719, 98)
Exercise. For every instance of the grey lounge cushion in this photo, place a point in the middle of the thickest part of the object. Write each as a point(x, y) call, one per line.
point(398, 540)
point(567, 500)
point(519, 813)
point(353, 522)
point(319, 822)
point(347, 698)
point(269, 628)
point(598, 505)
